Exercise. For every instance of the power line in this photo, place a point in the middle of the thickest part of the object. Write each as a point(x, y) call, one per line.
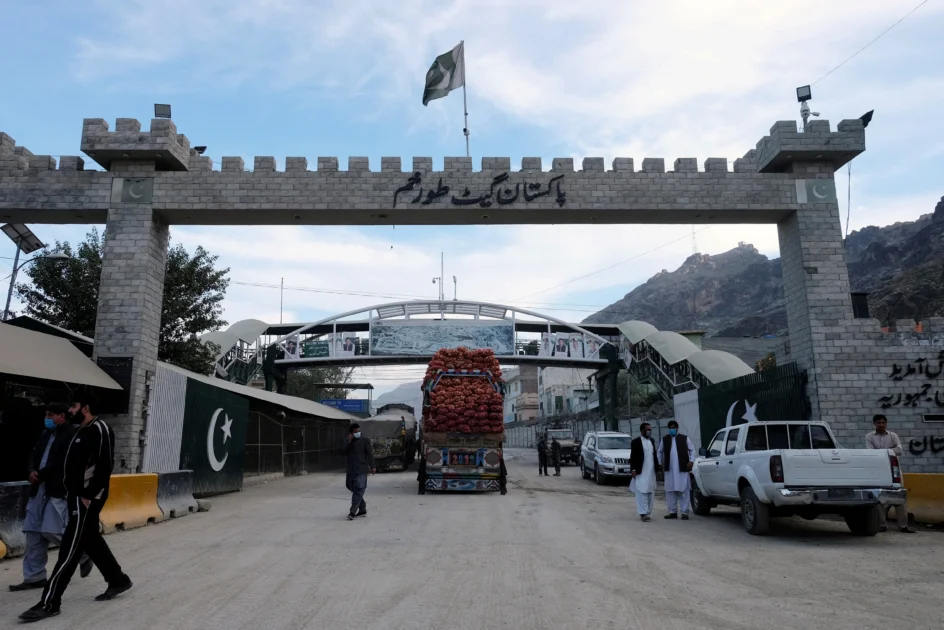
point(331, 291)
point(622, 262)
point(880, 35)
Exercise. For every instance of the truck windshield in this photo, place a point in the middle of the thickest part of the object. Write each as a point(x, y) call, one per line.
point(560, 435)
point(614, 443)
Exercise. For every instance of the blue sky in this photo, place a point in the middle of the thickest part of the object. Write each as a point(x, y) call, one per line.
point(550, 78)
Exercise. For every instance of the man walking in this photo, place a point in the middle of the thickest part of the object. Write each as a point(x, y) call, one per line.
point(556, 456)
point(542, 456)
point(360, 461)
point(46, 512)
point(642, 466)
point(86, 474)
point(880, 439)
point(677, 456)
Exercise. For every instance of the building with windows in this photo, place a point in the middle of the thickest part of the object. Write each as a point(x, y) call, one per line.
point(563, 390)
point(521, 393)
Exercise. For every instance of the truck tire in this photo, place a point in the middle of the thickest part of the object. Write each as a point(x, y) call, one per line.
point(599, 477)
point(700, 503)
point(863, 522)
point(754, 514)
point(583, 469)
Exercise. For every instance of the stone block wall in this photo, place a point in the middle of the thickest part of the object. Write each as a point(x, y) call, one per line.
point(129, 311)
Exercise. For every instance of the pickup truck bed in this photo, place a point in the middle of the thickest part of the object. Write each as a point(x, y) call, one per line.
point(794, 468)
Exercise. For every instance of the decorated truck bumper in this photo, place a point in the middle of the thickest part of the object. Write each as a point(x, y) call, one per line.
point(463, 464)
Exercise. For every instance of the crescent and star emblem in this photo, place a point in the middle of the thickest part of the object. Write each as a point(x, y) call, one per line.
point(817, 194)
point(217, 464)
point(131, 189)
point(750, 413)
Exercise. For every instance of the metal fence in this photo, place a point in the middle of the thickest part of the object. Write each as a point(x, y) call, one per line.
point(293, 444)
point(778, 393)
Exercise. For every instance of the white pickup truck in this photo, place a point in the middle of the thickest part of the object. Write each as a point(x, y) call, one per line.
point(794, 468)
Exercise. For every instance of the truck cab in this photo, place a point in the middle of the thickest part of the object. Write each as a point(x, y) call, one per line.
point(570, 447)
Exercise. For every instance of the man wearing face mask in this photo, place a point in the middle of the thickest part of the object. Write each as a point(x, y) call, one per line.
point(642, 466)
point(360, 462)
point(46, 512)
point(86, 473)
point(677, 456)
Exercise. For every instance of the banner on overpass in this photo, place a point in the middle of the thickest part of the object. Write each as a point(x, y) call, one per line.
point(426, 336)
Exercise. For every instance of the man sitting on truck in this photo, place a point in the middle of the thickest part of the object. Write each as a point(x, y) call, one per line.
point(881, 438)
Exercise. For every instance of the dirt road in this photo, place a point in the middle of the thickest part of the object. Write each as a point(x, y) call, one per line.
point(556, 552)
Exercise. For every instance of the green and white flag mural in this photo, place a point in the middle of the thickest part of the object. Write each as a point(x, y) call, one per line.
point(446, 74)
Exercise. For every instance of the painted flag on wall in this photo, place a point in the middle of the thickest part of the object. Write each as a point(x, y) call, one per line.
point(445, 75)
point(816, 191)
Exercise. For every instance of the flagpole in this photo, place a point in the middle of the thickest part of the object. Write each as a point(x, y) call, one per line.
point(465, 104)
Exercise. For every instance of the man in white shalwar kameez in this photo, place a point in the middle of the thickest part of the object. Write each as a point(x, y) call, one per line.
point(677, 455)
point(642, 462)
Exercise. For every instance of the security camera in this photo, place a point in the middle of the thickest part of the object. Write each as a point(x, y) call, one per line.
point(814, 113)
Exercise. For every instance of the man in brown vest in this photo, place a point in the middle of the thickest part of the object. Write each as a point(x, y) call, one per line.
point(677, 456)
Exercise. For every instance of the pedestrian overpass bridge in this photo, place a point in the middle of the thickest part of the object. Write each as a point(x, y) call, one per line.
point(410, 332)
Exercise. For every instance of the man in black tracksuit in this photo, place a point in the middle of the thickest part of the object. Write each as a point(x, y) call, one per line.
point(360, 461)
point(87, 472)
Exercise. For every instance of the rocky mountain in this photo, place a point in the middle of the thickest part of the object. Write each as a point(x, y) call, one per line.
point(740, 292)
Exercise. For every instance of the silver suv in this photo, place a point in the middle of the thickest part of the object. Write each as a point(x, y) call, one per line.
point(605, 455)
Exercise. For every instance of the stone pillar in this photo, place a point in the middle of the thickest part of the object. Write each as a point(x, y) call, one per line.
point(131, 289)
point(127, 324)
point(816, 290)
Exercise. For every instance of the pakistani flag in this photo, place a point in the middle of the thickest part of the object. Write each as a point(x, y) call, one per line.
point(446, 74)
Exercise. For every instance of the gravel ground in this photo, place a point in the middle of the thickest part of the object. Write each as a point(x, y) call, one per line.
point(556, 552)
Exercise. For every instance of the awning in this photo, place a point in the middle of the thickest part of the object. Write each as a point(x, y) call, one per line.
point(718, 366)
point(33, 354)
point(300, 405)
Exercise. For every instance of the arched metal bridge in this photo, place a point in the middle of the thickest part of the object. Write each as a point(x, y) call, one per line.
point(410, 332)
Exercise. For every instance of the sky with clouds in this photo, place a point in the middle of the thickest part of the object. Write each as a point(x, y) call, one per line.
point(681, 78)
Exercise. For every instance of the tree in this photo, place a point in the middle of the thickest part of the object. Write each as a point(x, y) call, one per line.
point(301, 382)
point(769, 362)
point(65, 294)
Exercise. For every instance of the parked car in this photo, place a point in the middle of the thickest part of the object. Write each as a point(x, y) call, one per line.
point(605, 455)
point(773, 469)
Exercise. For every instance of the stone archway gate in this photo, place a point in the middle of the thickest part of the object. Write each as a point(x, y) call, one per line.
point(153, 179)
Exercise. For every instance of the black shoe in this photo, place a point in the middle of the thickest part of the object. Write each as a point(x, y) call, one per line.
point(646, 518)
point(670, 516)
point(907, 530)
point(361, 513)
point(85, 568)
point(351, 517)
point(557, 474)
point(113, 591)
point(38, 613)
point(882, 529)
point(25, 586)
point(684, 517)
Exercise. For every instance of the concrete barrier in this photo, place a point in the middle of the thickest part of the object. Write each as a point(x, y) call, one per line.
point(175, 493)
point(132, 502)
point(925, 496)
point(13, 498)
